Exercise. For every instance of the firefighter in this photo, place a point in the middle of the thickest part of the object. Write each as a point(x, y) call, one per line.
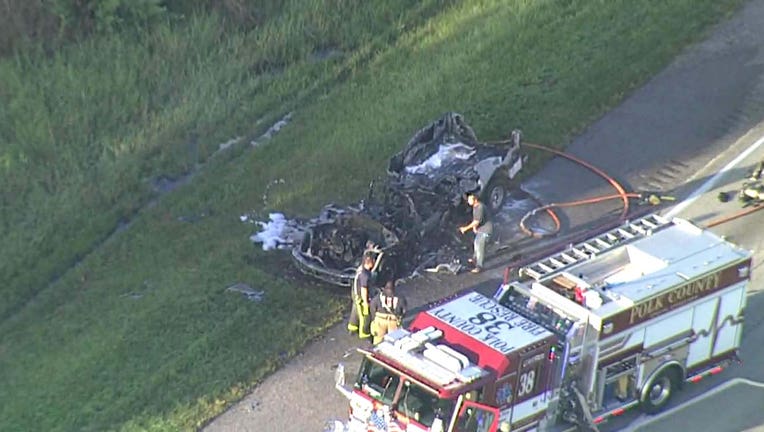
point(482, 227)
point(359, 313)
point(388, 310)
point(756, 174)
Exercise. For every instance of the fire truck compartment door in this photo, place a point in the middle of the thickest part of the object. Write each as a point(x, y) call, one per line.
point(531, 391)
point(716, 324)
point(476, 417)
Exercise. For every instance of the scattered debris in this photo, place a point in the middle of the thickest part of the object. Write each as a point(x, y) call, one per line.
point(254, 406)
point(192, 218)
point(138, 294)
point(251, 294)
point(453, 267)
point(414, 275)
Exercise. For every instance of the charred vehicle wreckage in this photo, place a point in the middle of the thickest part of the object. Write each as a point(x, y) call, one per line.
point(411, 216)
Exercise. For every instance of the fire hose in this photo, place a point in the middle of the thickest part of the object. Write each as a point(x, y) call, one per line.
point(734, 216)
point(652, 198)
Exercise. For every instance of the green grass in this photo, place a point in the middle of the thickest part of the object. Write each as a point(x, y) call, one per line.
point(82, 140)
point(82, 133)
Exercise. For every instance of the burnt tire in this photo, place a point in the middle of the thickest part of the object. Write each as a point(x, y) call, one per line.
point(495, 194)
point(658, 392)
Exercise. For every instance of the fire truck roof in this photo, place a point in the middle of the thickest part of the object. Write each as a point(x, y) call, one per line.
point(487, 333)
point(672, 266)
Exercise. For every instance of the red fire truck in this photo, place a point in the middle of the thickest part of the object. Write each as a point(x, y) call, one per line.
point(617, 321)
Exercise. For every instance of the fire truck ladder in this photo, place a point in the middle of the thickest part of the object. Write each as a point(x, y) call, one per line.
point(629, 231)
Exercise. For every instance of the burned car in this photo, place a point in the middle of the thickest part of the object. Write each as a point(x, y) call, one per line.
point(411, 216)
point(446, 158)
point(332, 247)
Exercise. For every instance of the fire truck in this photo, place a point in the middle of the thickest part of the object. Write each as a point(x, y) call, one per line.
point(620, 320)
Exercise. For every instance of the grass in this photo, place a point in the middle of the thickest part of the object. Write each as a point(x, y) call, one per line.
point(91, 132)
point(140, 334)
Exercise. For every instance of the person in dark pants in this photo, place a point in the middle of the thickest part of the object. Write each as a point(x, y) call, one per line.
point(360, 321)
point(482, 226)
point(387, 310)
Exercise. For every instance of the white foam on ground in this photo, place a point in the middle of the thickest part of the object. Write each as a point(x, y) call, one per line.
point(280, 232)
point(446, 154)
point(277, 232)
point(273, 130)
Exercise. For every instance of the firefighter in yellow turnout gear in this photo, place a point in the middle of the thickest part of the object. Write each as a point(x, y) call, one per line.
point(360, 321)
point(388, 310)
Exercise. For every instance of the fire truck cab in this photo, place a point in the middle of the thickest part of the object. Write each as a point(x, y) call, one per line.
point(620, 320)
point(453, 367)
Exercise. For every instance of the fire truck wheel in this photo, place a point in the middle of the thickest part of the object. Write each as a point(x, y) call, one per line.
point(659, 391)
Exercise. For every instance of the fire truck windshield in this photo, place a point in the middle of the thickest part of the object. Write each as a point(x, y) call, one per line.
point(418, 404)
point(378, 382)
point(413, 401)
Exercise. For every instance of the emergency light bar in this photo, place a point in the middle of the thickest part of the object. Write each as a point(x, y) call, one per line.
point(439, 364)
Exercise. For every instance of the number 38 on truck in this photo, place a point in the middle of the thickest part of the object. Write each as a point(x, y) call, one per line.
point(621, 320)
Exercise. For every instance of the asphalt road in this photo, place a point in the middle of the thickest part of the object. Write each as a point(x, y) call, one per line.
point(732, 401)
point(739, 399)
point(672, 135)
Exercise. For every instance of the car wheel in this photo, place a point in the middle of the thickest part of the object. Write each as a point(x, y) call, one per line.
point(495, 193)
point(659, 390)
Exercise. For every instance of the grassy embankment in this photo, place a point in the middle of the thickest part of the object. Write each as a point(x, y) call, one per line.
point(141, 334)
